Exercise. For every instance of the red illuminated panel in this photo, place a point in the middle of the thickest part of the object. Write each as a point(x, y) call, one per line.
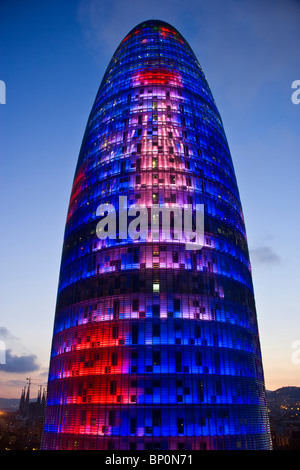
point(157, 77)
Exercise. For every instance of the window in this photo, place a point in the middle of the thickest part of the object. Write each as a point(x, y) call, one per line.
point(154, 162)
point(218, 388)
point(156, 287)
point(198, 358)
point(115, 332)
point(114, 358)
point(200, 389)
point(156, 417)
point(113, 387)
point(178, 360)
point(83, 418)
point(135, 305)
point(116, 308)
point(132, 425)
point(111, 417)
point(156, 358)
point(180, 425)
point(156, 330)
point(156, 310)
point(134, 355)
point(136, 260)
point(135, 333)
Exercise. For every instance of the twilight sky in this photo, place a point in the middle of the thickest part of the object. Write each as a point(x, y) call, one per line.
point(53, 55)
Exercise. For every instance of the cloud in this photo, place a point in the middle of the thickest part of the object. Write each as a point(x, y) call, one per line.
point(19, 364)
point(264, 255)
point(5, 334)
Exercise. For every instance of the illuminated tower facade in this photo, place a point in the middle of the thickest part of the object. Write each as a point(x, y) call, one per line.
point(155, 346)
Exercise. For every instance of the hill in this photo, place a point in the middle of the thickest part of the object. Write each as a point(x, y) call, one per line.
point(9, 404)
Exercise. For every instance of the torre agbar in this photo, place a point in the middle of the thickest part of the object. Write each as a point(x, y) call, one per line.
point(155, 342)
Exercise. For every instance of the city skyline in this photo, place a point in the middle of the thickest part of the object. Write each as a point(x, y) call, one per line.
point(41, 96)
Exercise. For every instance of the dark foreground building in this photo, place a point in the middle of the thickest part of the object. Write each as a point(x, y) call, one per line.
point(155, 343)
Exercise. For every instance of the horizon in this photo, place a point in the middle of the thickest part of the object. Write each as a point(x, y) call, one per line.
point(33, 399)
point(54, 55)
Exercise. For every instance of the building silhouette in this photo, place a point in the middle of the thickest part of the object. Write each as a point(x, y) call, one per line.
point(32, 409)
point(155, 343)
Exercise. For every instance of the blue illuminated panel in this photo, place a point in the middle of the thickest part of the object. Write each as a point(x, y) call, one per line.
point(155, 346)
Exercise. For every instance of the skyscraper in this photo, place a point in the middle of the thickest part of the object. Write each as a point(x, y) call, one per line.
point(155, 342)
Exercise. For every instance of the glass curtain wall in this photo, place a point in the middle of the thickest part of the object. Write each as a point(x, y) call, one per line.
point(155, 346)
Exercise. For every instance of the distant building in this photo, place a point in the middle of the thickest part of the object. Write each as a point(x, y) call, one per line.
point(32, 409)
point(155, 344)
point(284, 413)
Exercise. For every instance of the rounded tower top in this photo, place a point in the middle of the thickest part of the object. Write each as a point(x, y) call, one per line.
point(154, 25)
point(155, 45)
point(153, 33)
